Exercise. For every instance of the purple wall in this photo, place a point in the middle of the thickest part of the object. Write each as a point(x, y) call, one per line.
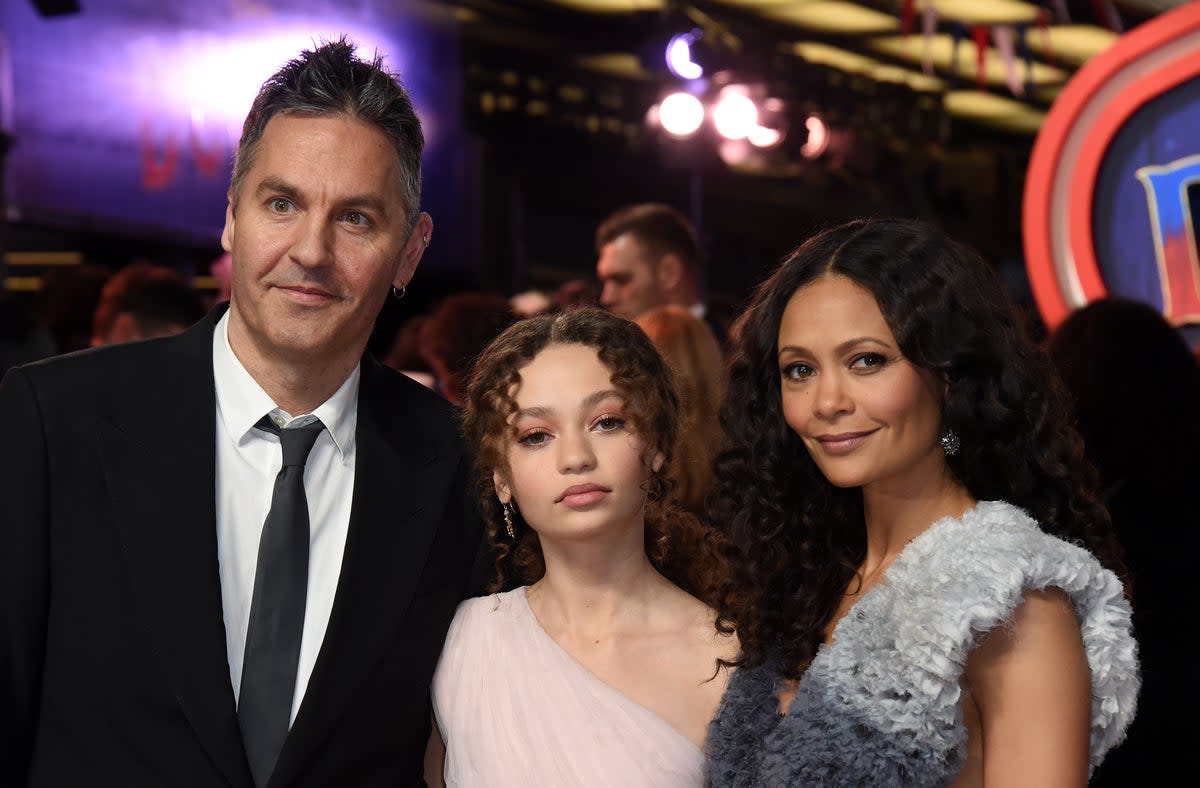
point(126, 115)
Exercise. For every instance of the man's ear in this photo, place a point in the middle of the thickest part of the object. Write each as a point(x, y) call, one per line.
point(414, 248)
point(503, 491)
point(669, 271)
point(227, 233)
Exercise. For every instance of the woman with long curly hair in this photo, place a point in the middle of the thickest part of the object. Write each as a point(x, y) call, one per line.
point(925, 587)
point(600, 667)
point(692, 352)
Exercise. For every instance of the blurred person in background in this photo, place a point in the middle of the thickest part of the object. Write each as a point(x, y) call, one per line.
point(221, 269)
point(648, 256)
point(690, 349)
point(1135, 389)
point(144, 301)
point(22, 339)
point(404, 355)
point(67, 302)
point(454, 334)
point(531, 303)
point(575, 293)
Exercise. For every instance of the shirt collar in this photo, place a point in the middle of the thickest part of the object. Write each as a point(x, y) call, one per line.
point(242, 402)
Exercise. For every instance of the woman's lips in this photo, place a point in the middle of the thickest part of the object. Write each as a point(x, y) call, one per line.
point(842, 443)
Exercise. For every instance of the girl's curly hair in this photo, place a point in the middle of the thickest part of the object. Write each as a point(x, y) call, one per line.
point(677, 544)
point(794, 540)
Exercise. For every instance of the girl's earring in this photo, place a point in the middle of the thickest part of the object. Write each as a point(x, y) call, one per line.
point(507, 508)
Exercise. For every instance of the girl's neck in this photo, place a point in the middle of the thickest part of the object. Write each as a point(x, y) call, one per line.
point(591, 591)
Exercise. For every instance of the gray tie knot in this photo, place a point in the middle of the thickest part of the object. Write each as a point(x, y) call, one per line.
point(297, 442)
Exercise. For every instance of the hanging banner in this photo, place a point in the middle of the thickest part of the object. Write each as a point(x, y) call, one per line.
point(1004, 37)
point(1112, 194)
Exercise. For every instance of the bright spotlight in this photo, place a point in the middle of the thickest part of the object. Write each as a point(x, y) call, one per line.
point(679, 56)
point(818, 137)
point(734, 115)
point(681, 114)
point(763, 137)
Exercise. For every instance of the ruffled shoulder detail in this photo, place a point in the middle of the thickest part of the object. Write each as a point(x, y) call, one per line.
point(951, 586)
point(881, 704)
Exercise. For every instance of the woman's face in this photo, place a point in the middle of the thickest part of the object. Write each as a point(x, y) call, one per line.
point(576, 469)
point(866, 415)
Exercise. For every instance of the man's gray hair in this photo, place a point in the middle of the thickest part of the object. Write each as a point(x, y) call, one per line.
point(332, 80)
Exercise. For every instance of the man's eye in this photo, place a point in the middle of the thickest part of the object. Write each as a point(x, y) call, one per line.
point(356, 218)
point(280, 205)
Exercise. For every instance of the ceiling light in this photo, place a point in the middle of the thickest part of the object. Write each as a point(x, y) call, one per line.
point(734, 113)
point(681, 114)
point(818, 137)
point(679, 56)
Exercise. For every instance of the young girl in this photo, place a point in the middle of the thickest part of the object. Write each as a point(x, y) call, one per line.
point(600, 668)
point(922, 577)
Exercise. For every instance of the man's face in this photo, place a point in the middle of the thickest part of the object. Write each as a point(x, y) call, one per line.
point(317, 237)
point(628, 276)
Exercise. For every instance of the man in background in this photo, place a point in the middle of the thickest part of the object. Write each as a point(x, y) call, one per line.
point(649, 257)
point(144, 301)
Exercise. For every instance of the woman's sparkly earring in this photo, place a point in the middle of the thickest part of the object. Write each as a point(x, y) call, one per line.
point(949, 442)
point(508, 509)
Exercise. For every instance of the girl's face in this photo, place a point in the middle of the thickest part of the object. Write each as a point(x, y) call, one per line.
point(576, 469)
point(866, 415)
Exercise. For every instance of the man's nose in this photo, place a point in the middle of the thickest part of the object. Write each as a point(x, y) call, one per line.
point(312, 245)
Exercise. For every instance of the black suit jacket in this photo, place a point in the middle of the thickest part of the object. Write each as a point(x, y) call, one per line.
point(113, 667)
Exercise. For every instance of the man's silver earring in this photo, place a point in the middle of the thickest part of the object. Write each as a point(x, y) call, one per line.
point(398, 292)
point(949, 442)
point(507, 508)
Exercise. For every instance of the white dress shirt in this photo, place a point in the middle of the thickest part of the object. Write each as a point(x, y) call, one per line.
point(248, 460)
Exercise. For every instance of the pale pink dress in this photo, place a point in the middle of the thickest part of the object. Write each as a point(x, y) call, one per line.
point(517, 711)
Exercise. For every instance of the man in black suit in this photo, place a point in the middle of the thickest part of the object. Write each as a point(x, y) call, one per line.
point(162, 624)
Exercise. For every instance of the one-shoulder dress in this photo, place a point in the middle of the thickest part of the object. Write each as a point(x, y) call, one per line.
point(516, 710)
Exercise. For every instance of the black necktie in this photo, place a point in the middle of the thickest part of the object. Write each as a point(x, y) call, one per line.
point(277, 607)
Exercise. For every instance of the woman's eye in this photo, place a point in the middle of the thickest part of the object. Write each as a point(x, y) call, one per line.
point(868, 361)
point(797, 371)
point(536, 438)
point(609, 423)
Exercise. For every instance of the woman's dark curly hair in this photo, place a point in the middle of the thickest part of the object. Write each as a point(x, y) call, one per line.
point(794, 540)
point(676, 543)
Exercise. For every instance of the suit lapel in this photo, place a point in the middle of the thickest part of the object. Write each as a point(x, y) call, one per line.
point(160, 451)
point(391, 530)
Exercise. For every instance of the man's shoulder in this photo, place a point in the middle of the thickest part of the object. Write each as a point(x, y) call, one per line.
point(394, 392)
point(110, 364)
point(381, 380)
